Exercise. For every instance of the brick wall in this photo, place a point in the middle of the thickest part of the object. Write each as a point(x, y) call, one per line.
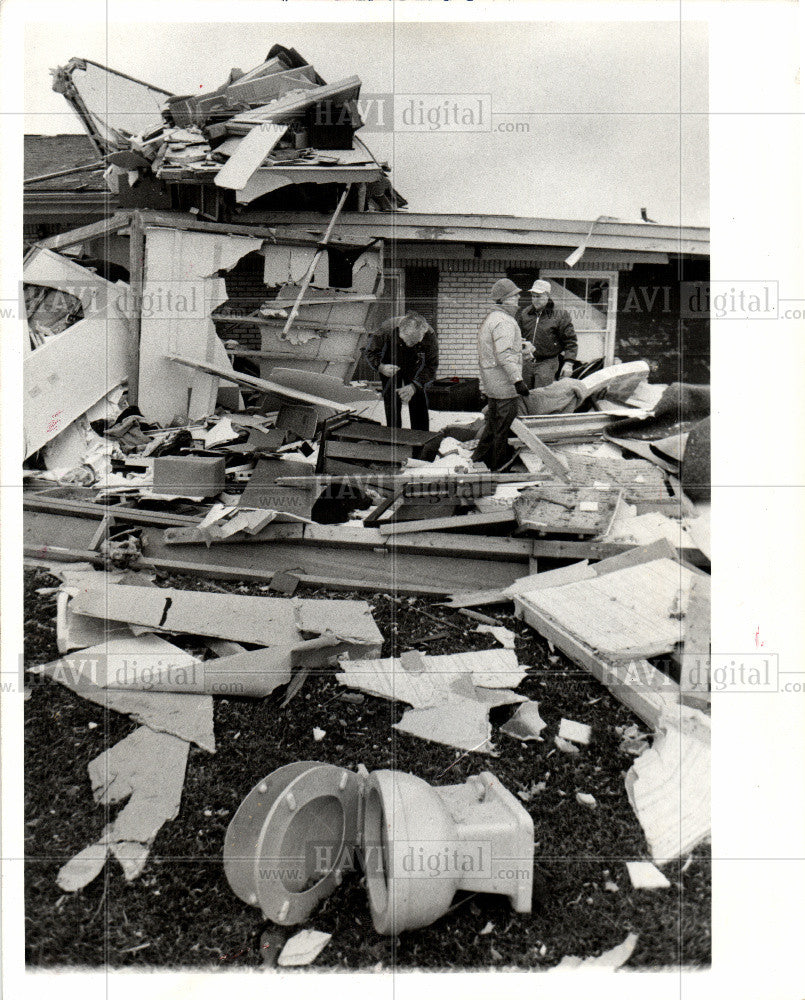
point(246, 291)
point(463, 301)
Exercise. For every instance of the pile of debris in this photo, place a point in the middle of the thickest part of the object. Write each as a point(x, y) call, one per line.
point(276, 125)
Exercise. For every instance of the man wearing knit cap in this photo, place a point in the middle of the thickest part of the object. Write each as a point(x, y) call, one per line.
point(550, 334)
point(500, 361)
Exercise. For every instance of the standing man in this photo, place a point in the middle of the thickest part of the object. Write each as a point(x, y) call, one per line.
point(500, 361)
point(405, 352)
point(550, 333)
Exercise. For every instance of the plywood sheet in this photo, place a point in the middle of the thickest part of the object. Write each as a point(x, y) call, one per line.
point(567, 510)
point(630, 613)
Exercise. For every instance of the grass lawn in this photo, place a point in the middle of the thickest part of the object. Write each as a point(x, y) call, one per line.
point(181, 911)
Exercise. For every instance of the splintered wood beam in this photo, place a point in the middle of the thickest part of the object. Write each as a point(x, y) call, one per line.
point(261, 384)
point(549, 458)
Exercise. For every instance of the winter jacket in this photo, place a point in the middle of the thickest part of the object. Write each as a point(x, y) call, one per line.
point(552, 334)
point(417, 364)
point(500, 354)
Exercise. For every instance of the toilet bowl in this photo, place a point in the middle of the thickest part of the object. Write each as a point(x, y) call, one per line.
point(294, 833)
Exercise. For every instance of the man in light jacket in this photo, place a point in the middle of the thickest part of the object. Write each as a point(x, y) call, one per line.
point(500, 361)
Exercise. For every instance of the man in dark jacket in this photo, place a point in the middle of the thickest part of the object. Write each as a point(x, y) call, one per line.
point(405, 352)
point(550, 333)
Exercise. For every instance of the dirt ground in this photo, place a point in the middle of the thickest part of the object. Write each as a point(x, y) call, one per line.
point(181, 911)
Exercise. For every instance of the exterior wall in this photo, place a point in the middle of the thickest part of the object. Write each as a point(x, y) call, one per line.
point(463, 302)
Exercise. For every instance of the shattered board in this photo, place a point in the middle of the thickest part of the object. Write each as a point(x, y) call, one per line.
point(633, 612)
point(567, 510)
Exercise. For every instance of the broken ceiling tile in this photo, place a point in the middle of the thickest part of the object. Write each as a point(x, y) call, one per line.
point(526, 723)
point(303, 948)
point(577, 732)
point(645, 875)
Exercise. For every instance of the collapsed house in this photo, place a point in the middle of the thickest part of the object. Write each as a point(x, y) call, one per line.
point(155, 441)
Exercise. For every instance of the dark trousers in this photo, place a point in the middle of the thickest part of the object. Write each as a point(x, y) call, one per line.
point(417, 407)
point(493, 445)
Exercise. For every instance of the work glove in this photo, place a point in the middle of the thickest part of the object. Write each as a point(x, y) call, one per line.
point(566, 371)
point(521, 388)
point(388, 370)
point(406, 393)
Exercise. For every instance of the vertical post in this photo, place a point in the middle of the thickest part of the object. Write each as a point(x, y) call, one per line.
point(136, 281)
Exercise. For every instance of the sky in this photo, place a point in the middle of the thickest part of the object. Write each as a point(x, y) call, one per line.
point(579, 119)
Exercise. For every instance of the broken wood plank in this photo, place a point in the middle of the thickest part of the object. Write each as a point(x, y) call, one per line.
point(262, 385)
point(552, 548)
point(549, 458)
point(249, 155)
point(369, 451)
point(446, 523)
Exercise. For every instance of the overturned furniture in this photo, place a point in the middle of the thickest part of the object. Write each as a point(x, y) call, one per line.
point(298, 830)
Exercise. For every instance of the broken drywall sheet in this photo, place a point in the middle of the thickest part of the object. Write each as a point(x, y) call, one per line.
point(303, 948)
point(148, 769)
point(644, 875)
point(263, 621)
point(526, 723)
point(462, 723)
point(576, 732)
point(188, 716)
point(669, 787)
point(492, 669)
point(628, 614)
point(182, 289)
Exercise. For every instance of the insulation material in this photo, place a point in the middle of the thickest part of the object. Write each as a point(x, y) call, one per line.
point(289, 264)
point(148, 769)
point(271, 179)
point(633, 612)
point(264, 621)
point(669, 787)
point(182, 289)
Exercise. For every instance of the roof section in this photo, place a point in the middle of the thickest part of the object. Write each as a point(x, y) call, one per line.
point(46, 154)
point(511, 229)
